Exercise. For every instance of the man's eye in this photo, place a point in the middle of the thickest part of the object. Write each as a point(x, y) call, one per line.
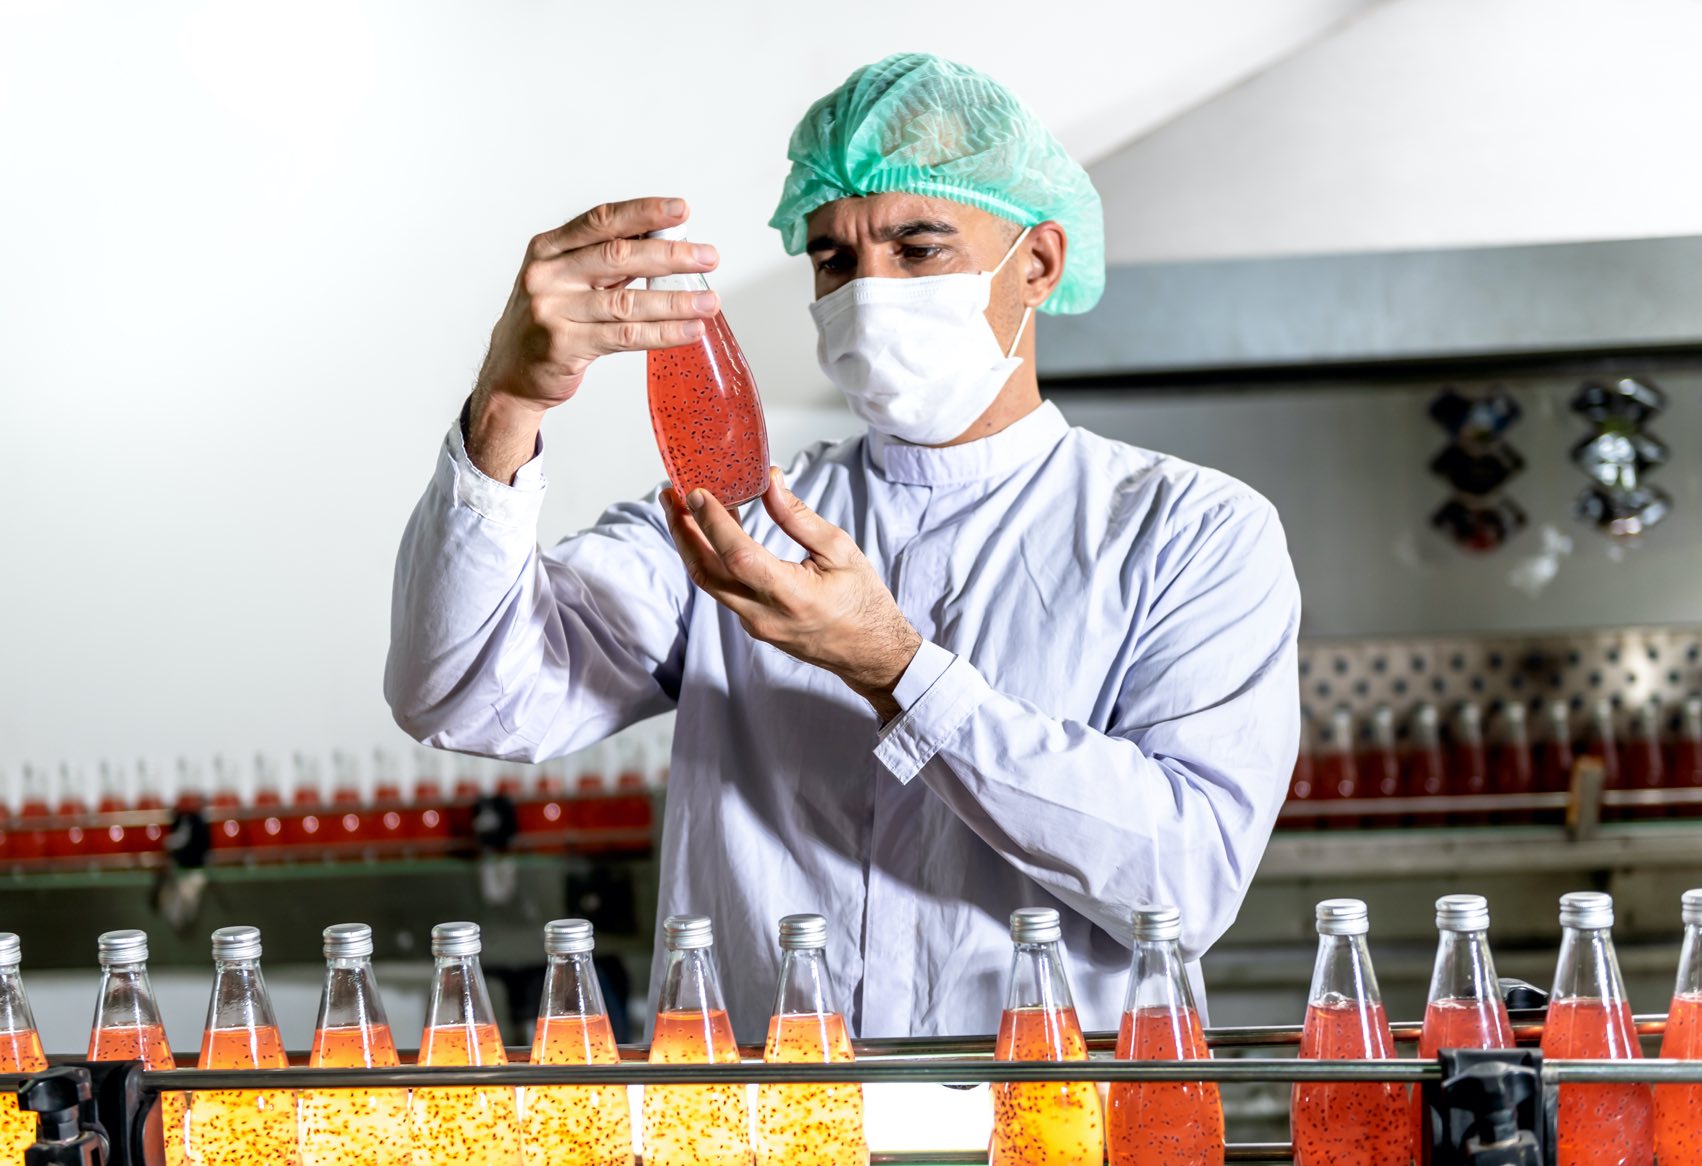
point(834, 263)
point(922, 252)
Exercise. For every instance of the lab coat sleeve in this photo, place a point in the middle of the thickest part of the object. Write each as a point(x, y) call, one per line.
point(1175, 800)
point(502, 648)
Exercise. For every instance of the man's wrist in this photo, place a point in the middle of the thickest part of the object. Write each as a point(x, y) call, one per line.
point(500, 433)
point(878, 685)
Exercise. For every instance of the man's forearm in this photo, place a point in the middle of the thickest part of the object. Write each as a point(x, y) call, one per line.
point(501, 434)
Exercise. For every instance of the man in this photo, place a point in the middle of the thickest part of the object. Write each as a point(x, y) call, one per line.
point(973, 661)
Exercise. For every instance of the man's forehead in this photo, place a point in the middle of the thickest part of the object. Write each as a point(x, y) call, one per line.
point(872, 215)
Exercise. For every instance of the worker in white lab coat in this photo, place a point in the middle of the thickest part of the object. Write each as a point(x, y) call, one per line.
point(973, 660)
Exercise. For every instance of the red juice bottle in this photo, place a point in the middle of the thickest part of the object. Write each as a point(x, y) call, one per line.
point(1510, 769)
point(427, 817)
point(1464, 1009)
point(224, 816)
point(703, 1125)
point(704, 406)
point(1162, 1123)
point(1555, 757)
point(127, 1025)
point(1678, 1108)
point(1303, 784)
point(347, 822)
point(239, 1127)
point(352, 1127)
point(67, 840)
point(388, 822)
point(20, 1050)
point(1042, 1123)
point(1337, 770)
point(1353, 1123)
point(1380, 765)
point(103, 836)
point(304, 825)
point(1643, 766)
point(150, 797)
point(1686, 769)
point(1427, 771)
point(1601, 743)
point(470, 1126)
point(1590, 1018)
point(1468, 762)
point(573, 1125)
point(266, 826)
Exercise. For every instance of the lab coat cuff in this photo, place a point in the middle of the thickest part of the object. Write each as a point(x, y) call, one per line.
point(911, 739)
point(509, 505)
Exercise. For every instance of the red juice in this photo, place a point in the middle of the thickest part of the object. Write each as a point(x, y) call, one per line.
point(1678, 1108)
point(1600, 1125)
point(1457, 1024)
point(147, 1043)
point(1163, 1123)
point(1302, 787)
point(1349, 1123)
point(708, 418)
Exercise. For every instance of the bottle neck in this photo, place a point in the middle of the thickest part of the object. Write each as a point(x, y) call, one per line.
point(239, 997)
point(15, 1014)
point(126, 998)
point(571, 988)
point(459, 997)
point(350, 996)
point(1342, 973)
point(1156, 978)
point(1690, 962)
point(1464, 969)
point(689, 984)
point(1588, 968)
point(1038, 979)
point(685, 281)
point(804, 985)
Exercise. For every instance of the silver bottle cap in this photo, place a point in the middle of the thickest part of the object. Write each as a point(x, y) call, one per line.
point(803, 933)
point(687, 932)
point(1035, 925)
point(11, 950)
point(1690, 906)
point(455, 939)
point(568, 937)
point(347, 941)
point(1343, 917)
point(1157, 921)
point(1462, 913)
point(236, 943)
point(122, 947)
point(1586, 910)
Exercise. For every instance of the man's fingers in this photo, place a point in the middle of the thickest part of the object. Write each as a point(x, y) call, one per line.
point(609, 263)
point(802, 525)
point(636, 337)
point(741, 556)
point(610, 220)
point(630, 304)
point(702, 563)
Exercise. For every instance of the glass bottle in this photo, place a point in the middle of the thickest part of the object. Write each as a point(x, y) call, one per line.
point(704, 406)
point(224, 806)
point(1678, 1108)
point(1468, 761)
point(347, 822)
point(1555, 756)
point(1589, 1017)
point(150, 796)
point(388, 820)
point(304, 824)
point(574, 1125)
point(20, 1050)
point(1687, 756)
point(1601, 743)
point(480, 1125)
point(66, 841)
point(1162, 1123)
point(1380, 766)
point(1303, 783)
point(1511, 770)
point(1349, 1123)
point(807, 1125)
point(1464, 1008)
point(127, 1025)
point(1643, 765)
point(238, 1127)
point(1042, 1123)
point(1427, 769)
point(1338, 770)
point(428, 817)
point(683, 1124)
point(105, 837)
point(266, 828)
point(352, 1127)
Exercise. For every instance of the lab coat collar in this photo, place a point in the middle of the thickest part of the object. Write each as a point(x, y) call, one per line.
point(990, 457)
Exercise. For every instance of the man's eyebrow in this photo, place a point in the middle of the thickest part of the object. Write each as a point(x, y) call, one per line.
point(905, 230)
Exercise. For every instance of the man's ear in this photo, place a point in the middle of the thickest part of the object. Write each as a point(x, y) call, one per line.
point(1046, 246)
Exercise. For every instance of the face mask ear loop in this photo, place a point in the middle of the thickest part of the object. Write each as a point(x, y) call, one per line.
point(1017, 339)
point(1015, 243)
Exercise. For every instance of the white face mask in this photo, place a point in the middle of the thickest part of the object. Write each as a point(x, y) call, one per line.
point(916, 358)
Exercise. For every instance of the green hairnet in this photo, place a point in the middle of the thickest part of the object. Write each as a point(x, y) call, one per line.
point(922, 125)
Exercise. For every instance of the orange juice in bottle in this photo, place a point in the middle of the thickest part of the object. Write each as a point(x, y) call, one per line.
point(1043, 1123)
point(352, 1127)
point(127, 1025)
point(574, 1125)
point(475, 1126)
point(240, 1127)
point(807, 1125)
point(1162, 1123)
point(20, 1050)
point(683, 1124)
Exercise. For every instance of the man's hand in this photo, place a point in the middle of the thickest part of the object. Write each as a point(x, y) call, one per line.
point(830, 610)
point(571, 303)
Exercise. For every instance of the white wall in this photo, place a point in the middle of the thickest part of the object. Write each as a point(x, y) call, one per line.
point(1432, 123)
point(250, 255)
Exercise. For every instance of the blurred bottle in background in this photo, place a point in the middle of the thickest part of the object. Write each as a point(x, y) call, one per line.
point(1601, 744)
point(1426, 769)
point(1510, 765)
point(1380, 765)
point(1468, 761)
point(66, 840)
point(1337, 769)
point(1687, 756)
point(1644, 766)
point(1303, 784)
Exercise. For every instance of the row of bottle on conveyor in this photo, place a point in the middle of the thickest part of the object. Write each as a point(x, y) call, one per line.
point(1034, 1124)
point(1470, 755)
point(54, 819)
